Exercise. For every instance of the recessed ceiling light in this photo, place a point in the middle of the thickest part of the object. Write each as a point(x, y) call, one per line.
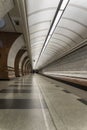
point(2, 23)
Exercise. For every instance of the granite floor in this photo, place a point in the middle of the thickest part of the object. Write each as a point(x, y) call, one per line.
point(36, 102)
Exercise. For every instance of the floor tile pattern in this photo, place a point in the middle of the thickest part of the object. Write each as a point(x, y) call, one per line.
point(35, 102)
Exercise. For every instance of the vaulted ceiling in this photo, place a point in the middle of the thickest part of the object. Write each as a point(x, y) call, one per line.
point(51, 28)
point(69, 32)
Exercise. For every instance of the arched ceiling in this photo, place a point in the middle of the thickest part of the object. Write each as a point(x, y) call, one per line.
point(70, 30)
point(22, 58)
point(27, 60)
point(40, 14)
point(36, 21)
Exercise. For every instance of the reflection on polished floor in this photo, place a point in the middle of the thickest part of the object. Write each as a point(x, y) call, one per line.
point(35, 102)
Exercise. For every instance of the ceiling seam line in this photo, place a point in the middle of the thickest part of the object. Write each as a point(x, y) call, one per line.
point(58, 8)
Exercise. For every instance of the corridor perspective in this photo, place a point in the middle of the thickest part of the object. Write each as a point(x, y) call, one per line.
point(43, 65)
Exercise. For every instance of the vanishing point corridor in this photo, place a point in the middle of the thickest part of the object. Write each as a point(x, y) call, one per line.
point(43, 64)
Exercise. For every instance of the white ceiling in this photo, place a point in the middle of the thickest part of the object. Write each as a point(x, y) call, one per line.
point(70, 31)
point(40, 15)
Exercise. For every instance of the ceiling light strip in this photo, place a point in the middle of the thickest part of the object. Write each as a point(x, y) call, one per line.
point(60, 9)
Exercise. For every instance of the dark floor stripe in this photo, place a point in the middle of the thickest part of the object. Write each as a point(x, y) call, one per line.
point(66, 91)
point(57, 86)
point(20, 86)
point(24, 88)
point(83, 101)
point(21, 104)
point(53, 83)
point(17, 91)
point(23, 82)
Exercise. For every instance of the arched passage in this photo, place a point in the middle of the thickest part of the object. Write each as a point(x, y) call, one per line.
point(21, 60)
point(28, 67)
point(23, 71)
point(17, 60)
point(7, 40)
point(16, 46)
point(27, 60)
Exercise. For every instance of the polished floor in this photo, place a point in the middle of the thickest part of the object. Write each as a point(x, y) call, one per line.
point(36, 102)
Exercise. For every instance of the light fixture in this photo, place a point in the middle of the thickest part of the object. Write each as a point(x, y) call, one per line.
point(52, 28)
point(64, 4)
point(61, 7)
point(55, 22)
point(48, 38)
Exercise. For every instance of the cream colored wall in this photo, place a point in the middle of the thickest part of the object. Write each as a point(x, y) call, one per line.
point(5, 7)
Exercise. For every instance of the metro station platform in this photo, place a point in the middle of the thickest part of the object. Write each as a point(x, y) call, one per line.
point(36, 102)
